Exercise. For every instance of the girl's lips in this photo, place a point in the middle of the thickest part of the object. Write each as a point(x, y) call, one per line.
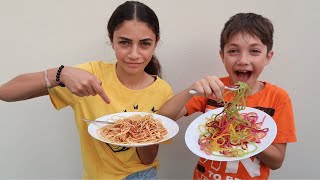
point(133, 65)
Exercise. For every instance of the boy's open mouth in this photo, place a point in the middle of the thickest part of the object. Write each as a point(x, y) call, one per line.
point(243, 75)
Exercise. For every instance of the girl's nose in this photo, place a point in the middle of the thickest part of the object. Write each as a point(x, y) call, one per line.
point(134, 53)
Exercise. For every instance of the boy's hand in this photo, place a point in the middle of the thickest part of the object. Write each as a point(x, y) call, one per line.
point(209, 86)
point(82, 83)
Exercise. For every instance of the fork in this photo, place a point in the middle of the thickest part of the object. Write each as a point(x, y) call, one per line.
point(99, 121)
point(230, 88)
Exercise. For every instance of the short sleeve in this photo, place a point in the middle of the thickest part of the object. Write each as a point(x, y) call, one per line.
point(284, 119)
point(196, 104)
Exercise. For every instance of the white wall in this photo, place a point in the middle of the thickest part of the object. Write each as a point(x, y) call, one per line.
point(38, 142)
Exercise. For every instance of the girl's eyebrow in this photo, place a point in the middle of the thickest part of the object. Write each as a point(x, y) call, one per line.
point(124, 38)
point(143, 40)
point(146, 39)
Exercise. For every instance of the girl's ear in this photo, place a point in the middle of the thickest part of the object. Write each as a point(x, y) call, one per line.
point(157, 40)
point(110, 39)
point(268, 58)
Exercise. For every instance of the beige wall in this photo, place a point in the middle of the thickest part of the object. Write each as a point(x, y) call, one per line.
point(38, 142)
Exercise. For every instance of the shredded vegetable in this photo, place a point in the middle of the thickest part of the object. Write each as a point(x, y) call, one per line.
point(230, 132)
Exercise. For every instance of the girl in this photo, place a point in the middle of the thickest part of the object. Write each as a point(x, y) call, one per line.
point(131, 84)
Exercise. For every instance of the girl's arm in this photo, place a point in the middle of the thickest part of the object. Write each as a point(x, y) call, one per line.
point(24, 87)
point(31, 85)
point(273, 156)
point(148, 154)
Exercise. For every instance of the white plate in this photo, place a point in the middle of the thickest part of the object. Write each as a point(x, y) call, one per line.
point(171, 126)
point(192, 135)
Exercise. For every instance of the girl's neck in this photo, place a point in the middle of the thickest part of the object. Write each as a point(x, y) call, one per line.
point(134, 81)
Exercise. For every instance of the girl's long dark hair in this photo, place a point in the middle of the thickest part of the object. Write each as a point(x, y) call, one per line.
point(136, 10)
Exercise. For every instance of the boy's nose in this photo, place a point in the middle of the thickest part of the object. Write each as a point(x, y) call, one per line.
point(243, 59)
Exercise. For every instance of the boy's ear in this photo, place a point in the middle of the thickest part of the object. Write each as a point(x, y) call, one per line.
point(221, 56)
point(269, 57)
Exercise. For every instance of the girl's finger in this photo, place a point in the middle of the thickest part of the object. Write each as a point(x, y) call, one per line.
point(98, 89)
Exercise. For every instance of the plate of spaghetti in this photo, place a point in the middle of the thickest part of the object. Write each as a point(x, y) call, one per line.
point(215, 139)
point(133, 129)
point(232, 132)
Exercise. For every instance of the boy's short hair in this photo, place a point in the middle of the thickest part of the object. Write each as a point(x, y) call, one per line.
point(248, 23)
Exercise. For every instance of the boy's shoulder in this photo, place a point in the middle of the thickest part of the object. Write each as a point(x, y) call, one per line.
point(274, 92)
point(274, 88)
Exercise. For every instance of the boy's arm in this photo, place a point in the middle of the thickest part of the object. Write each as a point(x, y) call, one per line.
point(210, 86)
point(174, 108)
point(273, 156)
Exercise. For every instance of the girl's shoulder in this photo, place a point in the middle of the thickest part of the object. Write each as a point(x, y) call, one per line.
point(96, 67)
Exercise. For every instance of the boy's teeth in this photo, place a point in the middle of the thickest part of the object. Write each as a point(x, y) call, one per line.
point(243, 75)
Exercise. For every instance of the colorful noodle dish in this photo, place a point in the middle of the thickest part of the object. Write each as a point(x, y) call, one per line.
point(230, 132)
point(133, 129)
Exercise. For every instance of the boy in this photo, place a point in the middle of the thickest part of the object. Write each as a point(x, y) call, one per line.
point(246, 48)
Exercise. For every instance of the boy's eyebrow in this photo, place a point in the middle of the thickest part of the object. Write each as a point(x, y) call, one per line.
point(251, 45)
point(256, 44)
point(232, 44)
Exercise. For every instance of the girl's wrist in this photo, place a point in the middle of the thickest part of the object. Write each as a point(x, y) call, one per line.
point(58, 76)
point(52, 76)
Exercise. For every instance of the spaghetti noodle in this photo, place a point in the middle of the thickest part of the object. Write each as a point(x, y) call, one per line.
point(230, 132)
point(134, 129)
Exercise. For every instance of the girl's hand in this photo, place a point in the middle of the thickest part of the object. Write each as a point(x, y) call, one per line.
point(210, 86)
point(82, 83)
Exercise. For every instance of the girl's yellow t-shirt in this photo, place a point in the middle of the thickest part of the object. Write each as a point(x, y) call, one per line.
point(101, 160)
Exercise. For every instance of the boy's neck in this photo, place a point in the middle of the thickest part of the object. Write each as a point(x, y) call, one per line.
point(257, 87)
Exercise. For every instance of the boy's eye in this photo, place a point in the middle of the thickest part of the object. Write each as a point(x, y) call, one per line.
point(255, 51)
point(232, 51)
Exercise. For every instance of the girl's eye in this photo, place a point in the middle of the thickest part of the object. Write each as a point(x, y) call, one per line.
point(124, 43)
point(145, 44)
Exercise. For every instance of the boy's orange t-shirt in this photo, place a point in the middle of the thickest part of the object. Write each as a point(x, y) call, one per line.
point(272, 100)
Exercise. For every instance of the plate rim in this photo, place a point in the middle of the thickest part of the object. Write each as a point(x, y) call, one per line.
point(127, 114)
point(225, 158)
